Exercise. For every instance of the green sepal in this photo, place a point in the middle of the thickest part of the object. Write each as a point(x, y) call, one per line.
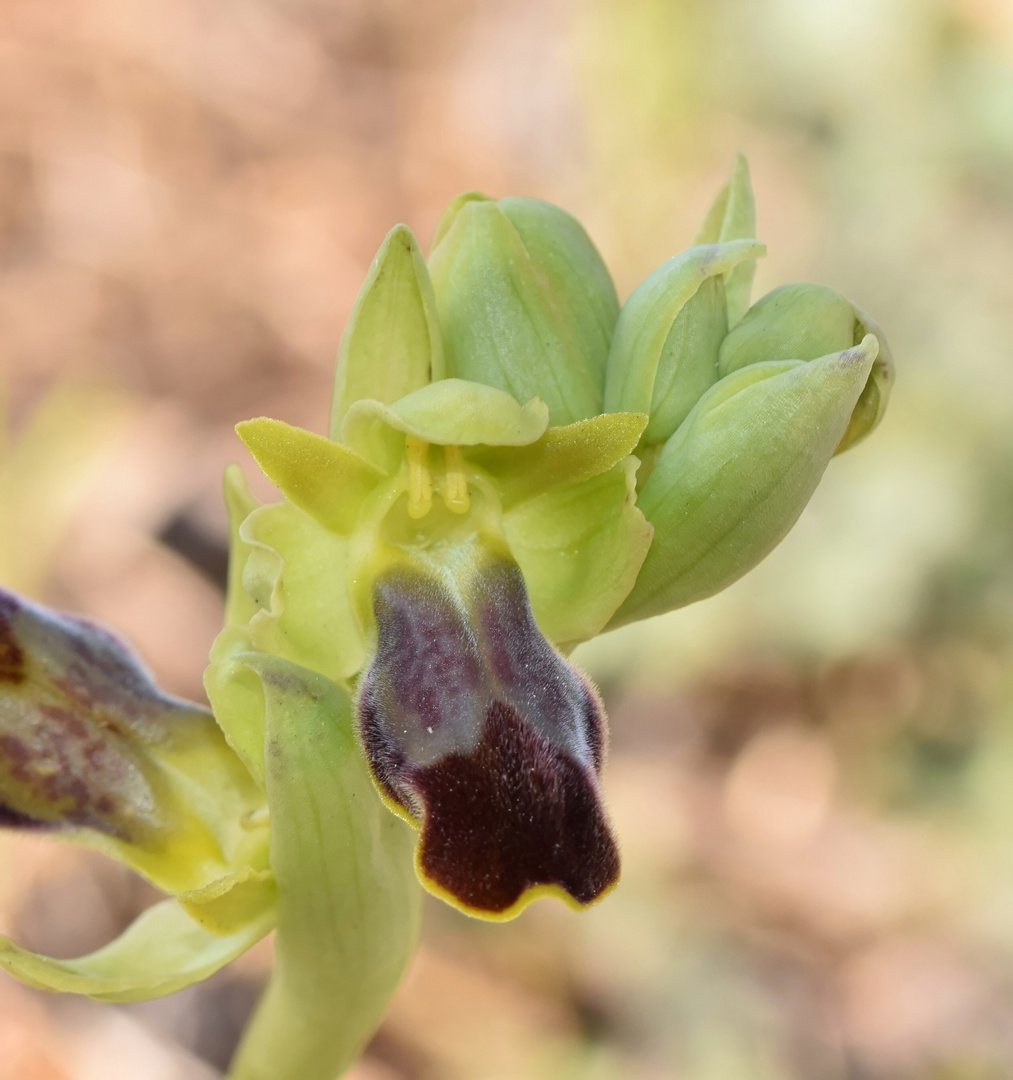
point(804, 322)
point(322, 477)
point(580, 547)
point(563, 455)
point(297, 573)
point(452, 412)
point(734, 478)
point(526, 302)
point(162, 951)
point(664, 354)
point(732, 216)
point(349, 903)
point(392, 344)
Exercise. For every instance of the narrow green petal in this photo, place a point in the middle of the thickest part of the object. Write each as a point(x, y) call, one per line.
point(562, 455)
point(732, 216)
point(161, 952)
point(734, 478)
point(239, 504)
point(349, 904)
point(297, 573)
point(392, 344)
point(580, 547)
point(641, 345)
point(452, 412)
point(324, 478)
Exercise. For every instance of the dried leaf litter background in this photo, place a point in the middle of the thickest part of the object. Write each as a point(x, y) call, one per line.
point(811, 773)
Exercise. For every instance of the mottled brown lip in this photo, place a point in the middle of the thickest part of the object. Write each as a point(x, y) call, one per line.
point(478, 730)
point(77, 715)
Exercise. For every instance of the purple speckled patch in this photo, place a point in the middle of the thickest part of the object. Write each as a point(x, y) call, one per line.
point(77, 714)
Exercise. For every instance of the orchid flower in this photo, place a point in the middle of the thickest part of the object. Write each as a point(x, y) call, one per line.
point(514, 464)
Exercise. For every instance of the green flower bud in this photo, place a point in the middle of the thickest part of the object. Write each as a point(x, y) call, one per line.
point(733, 479)
point(804, 322)
point(525, 301)
point(664, 355)
point(665, 351)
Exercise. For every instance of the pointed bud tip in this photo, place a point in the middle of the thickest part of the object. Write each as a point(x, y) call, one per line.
point(865, 352)
point(450, 212)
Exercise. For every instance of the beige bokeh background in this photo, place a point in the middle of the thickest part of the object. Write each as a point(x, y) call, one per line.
point(812, 774)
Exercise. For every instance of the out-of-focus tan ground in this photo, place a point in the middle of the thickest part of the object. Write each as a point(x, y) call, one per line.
point(812, 774)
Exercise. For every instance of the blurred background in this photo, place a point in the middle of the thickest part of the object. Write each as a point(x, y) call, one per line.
point(812, 774)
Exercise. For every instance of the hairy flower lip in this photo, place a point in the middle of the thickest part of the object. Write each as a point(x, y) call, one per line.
point(478, 732)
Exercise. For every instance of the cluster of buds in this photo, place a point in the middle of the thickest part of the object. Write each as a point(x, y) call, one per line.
point(515, 463)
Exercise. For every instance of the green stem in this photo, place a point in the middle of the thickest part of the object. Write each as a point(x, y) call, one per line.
point(348, 901)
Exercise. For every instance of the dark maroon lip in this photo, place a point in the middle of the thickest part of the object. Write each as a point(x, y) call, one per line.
point(488, 739)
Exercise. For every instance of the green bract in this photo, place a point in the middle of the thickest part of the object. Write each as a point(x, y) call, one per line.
point(513, 465)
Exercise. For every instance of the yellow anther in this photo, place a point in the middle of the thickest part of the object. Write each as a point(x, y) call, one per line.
point(420, 487)
point(455, 491)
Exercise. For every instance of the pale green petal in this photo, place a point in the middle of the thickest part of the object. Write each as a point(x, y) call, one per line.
point(736, 475)
point(392, 344)
point(580, 547)
point(645, 346)
point(297, 573)
point(452, 412)
point(732, 216)
point(324, 478)
point(348, 901)
point(239, 504)
point(562, 455)
point(161, 952)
